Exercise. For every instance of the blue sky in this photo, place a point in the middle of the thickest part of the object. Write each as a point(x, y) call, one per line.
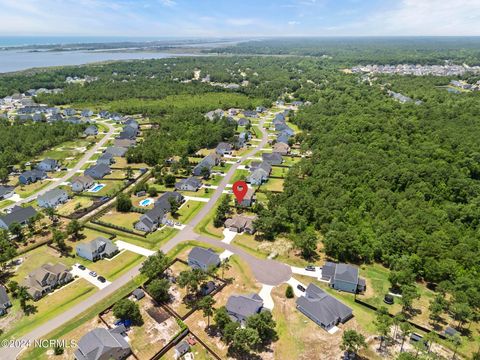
point(188, 18)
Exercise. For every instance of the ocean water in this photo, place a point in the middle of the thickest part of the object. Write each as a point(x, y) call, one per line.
point(13, 60)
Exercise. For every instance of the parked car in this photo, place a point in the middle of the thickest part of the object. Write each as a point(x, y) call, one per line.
point(93, 273)
point(238, 161)
point(300, 287)
point(101, 279)
point(81, 267)
point(310, 268)
point(105, 198)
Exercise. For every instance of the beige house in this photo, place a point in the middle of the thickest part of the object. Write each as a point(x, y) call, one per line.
point(46, 278)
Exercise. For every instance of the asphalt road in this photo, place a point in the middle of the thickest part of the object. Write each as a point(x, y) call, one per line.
point(269, 272)
point(71, 172)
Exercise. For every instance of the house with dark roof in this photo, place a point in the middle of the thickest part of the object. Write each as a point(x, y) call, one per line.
point(32, 176)
point(97, 249)
point(164, 201)
point(241, 223)
point(241, 307)
point(250, 114)
point(181, 349)
point(132, 123)
point(106, 158)
point(259, 172)
point(343, 277)
point(69, 112)
point(223, 148)
point(151, 220)
point(189, 184)
point(248, 199)
point(6, 192)
point(138, 294)
point(19, 215)
point(207, 162)
point(243, 122)
point(215, 114)
point(273, 158)
point(323, 308)
point(52, 198)
point(116, 151)
point(260, 109)
point(87, 113)
point(98, 171)
point(5, 302)
point(48, 165)
point(46, 278)
point(104, 114)
point(82, 183)
point(204, 259)
point(103, 344)
point(128, 132)
point(74, 120)
point(92, 130)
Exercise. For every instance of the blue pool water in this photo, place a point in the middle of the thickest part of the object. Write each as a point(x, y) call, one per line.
point(146, 202)
point(97, 188)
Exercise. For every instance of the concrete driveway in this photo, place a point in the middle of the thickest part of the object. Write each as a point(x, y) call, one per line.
point(85, 274)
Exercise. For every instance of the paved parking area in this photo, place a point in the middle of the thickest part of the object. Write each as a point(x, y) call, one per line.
point(301, 271)
point(84, 274)
point(294, 283)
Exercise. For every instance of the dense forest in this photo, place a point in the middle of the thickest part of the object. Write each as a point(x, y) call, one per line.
point(22, 142)
point(369, 50)
point(390, 182)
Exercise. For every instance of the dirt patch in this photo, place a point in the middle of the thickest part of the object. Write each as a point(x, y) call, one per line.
point(158, 314)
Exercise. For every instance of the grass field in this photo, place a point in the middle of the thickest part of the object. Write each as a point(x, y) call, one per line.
point(26, 190)
point(188, 211)
point(48, 307)
point(125, 220)
point(273, 185)
point(70, 207)
point(205, 226)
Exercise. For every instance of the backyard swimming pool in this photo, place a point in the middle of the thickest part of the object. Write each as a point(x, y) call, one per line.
point(97, 188)
point(146, 202)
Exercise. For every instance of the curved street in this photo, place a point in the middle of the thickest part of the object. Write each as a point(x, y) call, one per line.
point(266, 272)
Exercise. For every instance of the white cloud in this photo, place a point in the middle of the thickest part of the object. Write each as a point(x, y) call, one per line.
point(293, 22)
point(168, 3)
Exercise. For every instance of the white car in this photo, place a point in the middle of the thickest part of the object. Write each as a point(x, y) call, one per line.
point(93, 273)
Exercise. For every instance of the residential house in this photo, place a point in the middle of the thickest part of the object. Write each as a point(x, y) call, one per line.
point(82, 183)
point(19, 215)
point(104, 114)
point(132, 123)
point(98, 171)
point(343, 277)
point(241, 307)
point(281, 148)
point(207, 162)
point(215, 114)
point(243, 122)
point(151, 220)
point(297, 103)
point(181, 349)
point(322, 308)
point(48, 165)
point(6, 192)
point(125, 143)
point(103, 344)
point(248, 199)
point(164, 201)
point(87, 113)
point(74, 120)
point(115, 116)
point(52, 198)
point(207, 288)
point(128, 132)
point(55, 117)
point(116, 151)
point(241, 223)
point(189, 184)
point(260, 109)
point(106, 158)
point(69, 112)
point(31, 176)
point(92, 130)
point(273, 158)
point(5, 302)
point(224, 148)
point(283, 138)
point(204, 259)
point(242, 139)
point(279, 102)
point(97, 249)
point(250, 114)
point(46, 278)
point(38, 117)
point(259, 172)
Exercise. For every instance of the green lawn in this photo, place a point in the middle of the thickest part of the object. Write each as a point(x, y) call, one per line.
point(27, 190)
point(50, 306)
point(112, 269)
point(125, 220)
point(188, 211)
point(205, 226)
point(70, 207)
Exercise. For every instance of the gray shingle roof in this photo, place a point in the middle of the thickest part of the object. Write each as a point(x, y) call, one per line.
point(5, 190)
point(347, 273)
point(244, 305)
point(18, 215)
point(4, 299)
point(204, 256)
point(98, 343)
point(52, 195)
point(323, 307)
